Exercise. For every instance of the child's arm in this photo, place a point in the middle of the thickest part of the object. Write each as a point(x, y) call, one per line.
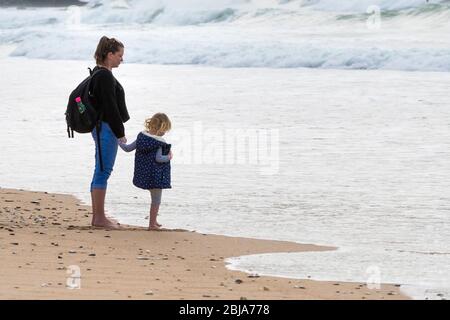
point(161, 158)
point(128, 147)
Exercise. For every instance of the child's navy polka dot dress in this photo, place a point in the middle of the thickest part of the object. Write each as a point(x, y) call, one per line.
point(149, 174)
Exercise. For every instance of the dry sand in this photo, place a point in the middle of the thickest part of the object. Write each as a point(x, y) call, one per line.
point(42, 235)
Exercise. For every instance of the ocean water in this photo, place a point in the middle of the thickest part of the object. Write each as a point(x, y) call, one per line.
point(352, 34)
point(293, 120)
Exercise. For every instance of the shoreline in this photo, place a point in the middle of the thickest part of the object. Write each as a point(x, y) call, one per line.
point(48, 245)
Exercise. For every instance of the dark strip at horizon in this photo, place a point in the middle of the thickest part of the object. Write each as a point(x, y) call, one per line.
point(40, 3)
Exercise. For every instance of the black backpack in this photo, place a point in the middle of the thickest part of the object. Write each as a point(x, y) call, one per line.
point(84, 118)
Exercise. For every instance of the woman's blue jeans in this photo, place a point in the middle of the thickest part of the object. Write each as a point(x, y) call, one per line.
point(109, 144)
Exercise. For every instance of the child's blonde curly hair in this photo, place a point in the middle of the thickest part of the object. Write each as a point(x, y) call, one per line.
point(158, 124)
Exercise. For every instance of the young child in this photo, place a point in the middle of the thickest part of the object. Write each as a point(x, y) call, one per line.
point(151, 165)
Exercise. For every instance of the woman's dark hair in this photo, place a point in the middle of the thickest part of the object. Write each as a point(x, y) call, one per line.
point(105, 46)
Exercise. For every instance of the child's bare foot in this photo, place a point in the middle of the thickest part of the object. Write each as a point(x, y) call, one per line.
point(153, 228)
point(157, 223)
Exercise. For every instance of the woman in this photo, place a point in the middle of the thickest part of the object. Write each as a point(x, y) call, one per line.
point(109, 100)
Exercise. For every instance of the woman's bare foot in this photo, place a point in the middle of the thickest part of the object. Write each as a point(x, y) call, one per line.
point(105, 223)
point(152, 228)
point(113, 220)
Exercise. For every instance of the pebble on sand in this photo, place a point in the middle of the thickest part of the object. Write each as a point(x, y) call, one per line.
point(142, 258)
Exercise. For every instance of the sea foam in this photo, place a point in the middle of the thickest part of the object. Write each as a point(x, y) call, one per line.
point(240, 33)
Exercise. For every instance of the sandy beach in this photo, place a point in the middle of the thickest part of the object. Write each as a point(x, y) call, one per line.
point(44, 235)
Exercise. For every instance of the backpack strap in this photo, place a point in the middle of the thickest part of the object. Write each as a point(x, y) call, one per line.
point(98, 127)
point(69, 131)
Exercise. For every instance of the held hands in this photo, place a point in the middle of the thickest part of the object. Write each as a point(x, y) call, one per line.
point(170, 155)
point(122, 140)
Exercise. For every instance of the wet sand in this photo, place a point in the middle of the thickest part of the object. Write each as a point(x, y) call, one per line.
point(47, 247)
